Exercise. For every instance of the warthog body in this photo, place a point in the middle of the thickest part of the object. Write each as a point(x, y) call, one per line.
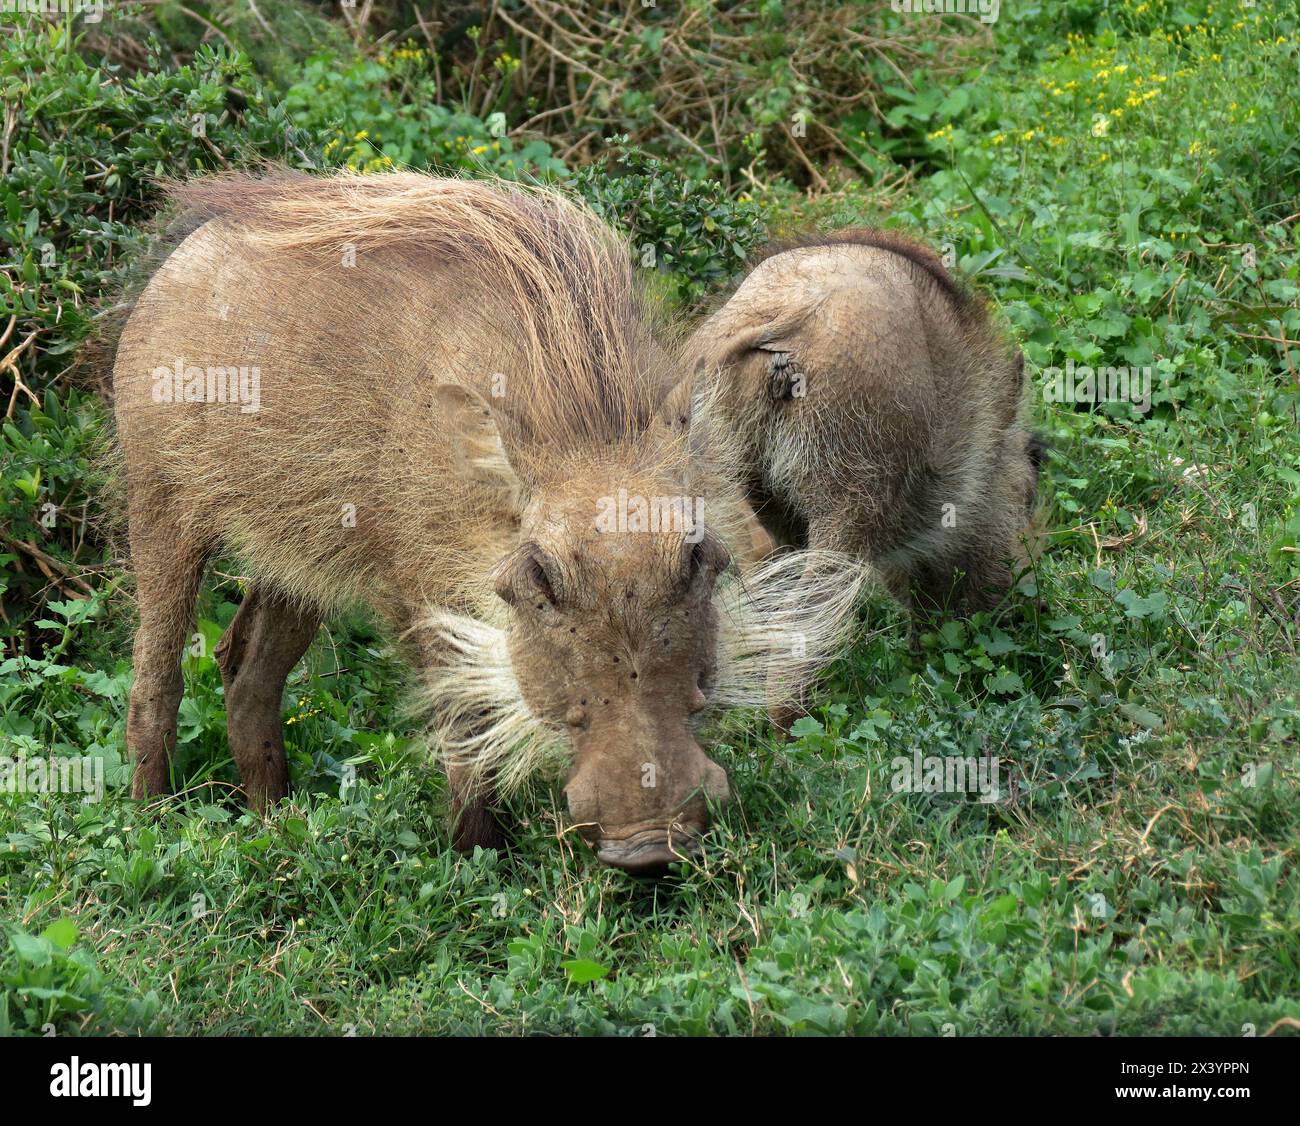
point(452, 381)
point(879, 413)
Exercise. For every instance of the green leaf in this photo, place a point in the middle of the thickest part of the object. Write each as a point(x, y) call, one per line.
point(1004, 683)
point(1140, 715)
point(32, 950)
point(62, 933)
point(213, 813)
point(583, 970)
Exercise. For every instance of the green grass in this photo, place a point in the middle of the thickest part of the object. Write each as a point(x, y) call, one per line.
point(1137, 873)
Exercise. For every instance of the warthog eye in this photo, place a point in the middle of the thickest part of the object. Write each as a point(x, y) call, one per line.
point(538, 577)
point(525, 576)
point(707, 558)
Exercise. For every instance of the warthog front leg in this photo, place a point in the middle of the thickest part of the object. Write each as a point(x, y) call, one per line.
point(260, 647)
point(472, 819)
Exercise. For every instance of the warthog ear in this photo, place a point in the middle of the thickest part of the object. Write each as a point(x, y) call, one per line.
point(683, 412)
point(675, 410)
point(478, 452)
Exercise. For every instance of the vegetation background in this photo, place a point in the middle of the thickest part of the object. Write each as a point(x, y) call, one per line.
point(1120, 177)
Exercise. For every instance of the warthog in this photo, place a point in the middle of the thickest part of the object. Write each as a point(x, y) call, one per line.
point(879, 412)
point(463, 421)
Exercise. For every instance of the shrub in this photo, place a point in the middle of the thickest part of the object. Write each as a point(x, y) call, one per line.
point(87, 146)
point(690, 229)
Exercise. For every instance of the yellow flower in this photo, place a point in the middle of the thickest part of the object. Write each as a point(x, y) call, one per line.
point(1028, 136)
point(997, 140)
point(361, 136)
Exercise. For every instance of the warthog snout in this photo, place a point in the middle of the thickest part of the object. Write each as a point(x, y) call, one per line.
point(644, 804)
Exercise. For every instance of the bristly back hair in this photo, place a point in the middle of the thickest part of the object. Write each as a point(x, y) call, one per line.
point(565, 277)
point(968, 304)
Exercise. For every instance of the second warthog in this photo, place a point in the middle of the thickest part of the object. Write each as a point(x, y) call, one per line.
point(878, 410)
point(441, 399)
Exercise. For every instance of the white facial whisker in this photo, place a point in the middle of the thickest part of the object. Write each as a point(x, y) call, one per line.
point(789, 617)
point(478, 714)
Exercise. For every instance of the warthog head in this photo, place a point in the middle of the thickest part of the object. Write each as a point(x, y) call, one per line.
point(614, 636)
point(614, 630)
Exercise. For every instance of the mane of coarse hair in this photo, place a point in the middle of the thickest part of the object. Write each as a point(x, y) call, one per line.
point(969, 306)
point(565, 277)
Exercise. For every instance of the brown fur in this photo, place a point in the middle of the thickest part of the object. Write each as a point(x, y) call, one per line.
point(965, 301)
point(911, 401)
point(438, 423)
